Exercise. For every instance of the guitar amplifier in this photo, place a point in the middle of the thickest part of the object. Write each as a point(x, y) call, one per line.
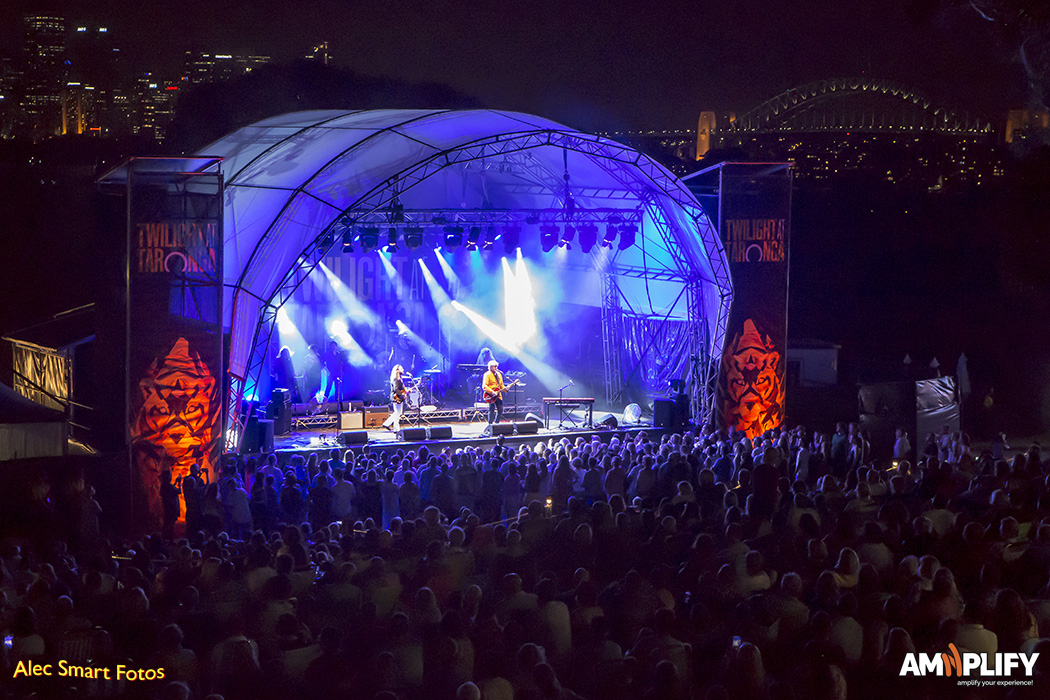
point(352, 420)
point(374, 416)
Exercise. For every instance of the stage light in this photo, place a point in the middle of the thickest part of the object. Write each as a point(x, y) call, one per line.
point(548, 237)
point(627, 234)
point(588, 237)
point(413, 237)
point(391, 240)
point(453, 237)
point(348, 241)
point(511, 237)
point(610, 236)
point(369, 238)
point(566, 238)
point(472, 237)
point(491, 236)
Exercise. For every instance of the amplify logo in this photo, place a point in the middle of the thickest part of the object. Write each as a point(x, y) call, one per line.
point(966, 664)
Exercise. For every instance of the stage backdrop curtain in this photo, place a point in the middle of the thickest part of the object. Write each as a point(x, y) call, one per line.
point(656, 351)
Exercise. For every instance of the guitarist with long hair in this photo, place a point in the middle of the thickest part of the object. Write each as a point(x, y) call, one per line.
point(398, 393)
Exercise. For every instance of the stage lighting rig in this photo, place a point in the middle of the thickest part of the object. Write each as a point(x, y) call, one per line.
point(491, 236)
point(511, 237)
point(627, 234)
point(588, 236)
point(610, 236)
point(566, 238)
point(413, 237)
point(453, 237)
point(472, 237)
point(548, 237)
point(348, 241)
point(391, 240)
point(369, 238)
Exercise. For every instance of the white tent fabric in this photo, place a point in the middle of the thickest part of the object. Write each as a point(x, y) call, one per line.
point(290, 177)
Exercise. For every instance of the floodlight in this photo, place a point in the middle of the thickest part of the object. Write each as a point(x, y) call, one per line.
point(369, 238)
point(548, 237)
point(610, 236)
point(453, 237)
point(511, 236)
point(472, 237)
point(391, 240)
point(348, 241)
point(588, 237)
point(627, 234)
point(413, 237)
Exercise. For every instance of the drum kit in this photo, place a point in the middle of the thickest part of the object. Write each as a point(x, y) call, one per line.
point(420, 396)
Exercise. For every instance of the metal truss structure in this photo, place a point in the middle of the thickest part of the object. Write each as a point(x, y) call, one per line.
point(658, 188)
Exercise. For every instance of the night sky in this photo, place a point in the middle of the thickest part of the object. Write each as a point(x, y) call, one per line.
point(606, 64)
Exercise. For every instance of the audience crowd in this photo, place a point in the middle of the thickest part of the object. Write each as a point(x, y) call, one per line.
point(685, 566)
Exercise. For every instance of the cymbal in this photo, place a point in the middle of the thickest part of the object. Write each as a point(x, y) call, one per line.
point(431, 371)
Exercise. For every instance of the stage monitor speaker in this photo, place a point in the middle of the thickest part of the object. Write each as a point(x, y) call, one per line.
point(663, 413)
point(440, 432)
point(527, 427)
point(412, 434)
point(351, 420)
point(501, 429)
point(607, 421)
point(356, 437)
point(281, 411)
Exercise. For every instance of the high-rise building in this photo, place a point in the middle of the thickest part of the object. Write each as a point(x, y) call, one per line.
point(203, 67)
point(45, 73)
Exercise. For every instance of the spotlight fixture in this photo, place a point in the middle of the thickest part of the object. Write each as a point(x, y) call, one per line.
point(453, 237)
point(391, 240)
point(413, 237)
point(627, 234)
point(491, 236)
point(348, 241)
point(566, 238)
point(369, 237)
point(548, 237)
point(588, 237)
point(472, 237)
point(511, 237)
point(610, 236)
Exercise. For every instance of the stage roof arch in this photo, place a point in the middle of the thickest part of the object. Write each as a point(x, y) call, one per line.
point(294, 182)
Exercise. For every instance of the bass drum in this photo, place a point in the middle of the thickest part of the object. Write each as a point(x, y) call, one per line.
point(413, 399)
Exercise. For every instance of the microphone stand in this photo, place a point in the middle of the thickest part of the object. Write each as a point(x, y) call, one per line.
point(561, 405)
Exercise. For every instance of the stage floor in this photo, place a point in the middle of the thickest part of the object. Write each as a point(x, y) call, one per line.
point(306, 439)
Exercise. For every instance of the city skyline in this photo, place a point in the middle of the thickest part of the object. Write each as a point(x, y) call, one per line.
point(607, 66)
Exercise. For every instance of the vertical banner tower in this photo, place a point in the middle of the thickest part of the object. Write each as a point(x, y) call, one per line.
point(753, 202)
point(174, 372)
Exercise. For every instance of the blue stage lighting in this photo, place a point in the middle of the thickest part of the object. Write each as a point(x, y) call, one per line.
point(369, 238)
point(348, 241)
point(566, 238)
point(548, 237)
point(413, 237)
point(491, 236)
point(511, 237)
point(610, 236)
point(453, 237)
point(627, 234)
point(391, 240)
point(472, 237)
point(588, 237)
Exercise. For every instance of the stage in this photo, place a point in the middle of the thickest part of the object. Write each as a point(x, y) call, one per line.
point(305, 439)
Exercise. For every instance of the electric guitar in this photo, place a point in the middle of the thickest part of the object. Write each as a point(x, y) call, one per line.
point(491, 396)
point(400, 395)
